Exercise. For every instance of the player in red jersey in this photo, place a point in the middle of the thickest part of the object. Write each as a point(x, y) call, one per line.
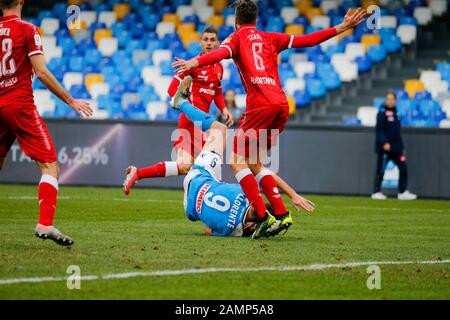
point(206, 88)
point(256, 56)
point(21, 53)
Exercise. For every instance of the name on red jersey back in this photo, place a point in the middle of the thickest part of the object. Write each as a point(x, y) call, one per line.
point(19, 40)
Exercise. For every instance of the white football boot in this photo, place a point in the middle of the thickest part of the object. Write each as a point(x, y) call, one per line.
point(406, 195)
point(378, 196)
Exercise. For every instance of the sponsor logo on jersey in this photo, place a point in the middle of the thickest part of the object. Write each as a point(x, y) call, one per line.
point(263, 80)
point(200, 196)
point(37, 40)
point(204, 78)
point(207, 91)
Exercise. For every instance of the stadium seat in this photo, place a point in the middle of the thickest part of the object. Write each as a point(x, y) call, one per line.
point(161, 55)
point(315, 88)
point(89, 17)
point(108, 46)
point(204, 13)
point(98, 89)
point(303, 67)
point(444, 124)
point(376, 53)
point(355, 50)
point(313, 12)
point(364, 64)
point(294, 29)
point(388, 22)
point(294, 84)
point(219, 5)
point(92, 79)
point(407, 33)
point(430, 78)
point(289, 14)
point(155, 109)
point(328, 5)
point(323, 22)
point(102, 34)
point(412, 86)
point(44, 102)
point(438, 7)
point(368, 116)
point(302, 98)
point(108, 18)
point(164, 28)
point(370, 40)
point(423, 15)
point(216, 21)
point(72, 78)
point(49, 26)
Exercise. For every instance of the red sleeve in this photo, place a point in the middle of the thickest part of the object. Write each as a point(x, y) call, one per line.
point(219, 100)
point(282, 41)
point(313, 39)
point(213, 57)
point(173, 87)
point(33, 41)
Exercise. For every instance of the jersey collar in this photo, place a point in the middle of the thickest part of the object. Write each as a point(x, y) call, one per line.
point(8, 18)
point(246, 26)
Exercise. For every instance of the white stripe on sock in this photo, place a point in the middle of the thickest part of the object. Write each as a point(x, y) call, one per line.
point(50, 180)
point(242, 174)
point(262, 174)
point(171, 168)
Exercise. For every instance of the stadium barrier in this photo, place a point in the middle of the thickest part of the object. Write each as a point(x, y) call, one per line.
point(314, 159)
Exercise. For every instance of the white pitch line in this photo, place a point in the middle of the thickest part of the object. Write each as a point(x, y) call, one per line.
point(165, 273)
point(34, 198)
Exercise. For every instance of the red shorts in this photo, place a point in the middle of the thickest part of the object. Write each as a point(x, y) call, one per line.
point(26, 125)
point(190, 138)
point(259, 129)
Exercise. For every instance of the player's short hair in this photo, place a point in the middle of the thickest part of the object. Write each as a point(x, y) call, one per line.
point(246, 12)
point(8, 4)
point(391, 93)
point(210, 30)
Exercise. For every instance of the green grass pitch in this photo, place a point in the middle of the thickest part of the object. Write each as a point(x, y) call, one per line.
point(148, 231)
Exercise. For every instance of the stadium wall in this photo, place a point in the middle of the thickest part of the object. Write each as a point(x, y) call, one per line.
point(314, 159)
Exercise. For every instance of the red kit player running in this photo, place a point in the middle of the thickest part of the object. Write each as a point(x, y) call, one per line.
point(21, 52)
point(255, 54)
point(206, 88)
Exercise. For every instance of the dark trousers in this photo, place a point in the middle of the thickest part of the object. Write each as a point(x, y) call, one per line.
point(400, 161)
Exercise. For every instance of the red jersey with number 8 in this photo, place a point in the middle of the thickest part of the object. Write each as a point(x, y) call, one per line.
point(256, 56)
point(19, 40)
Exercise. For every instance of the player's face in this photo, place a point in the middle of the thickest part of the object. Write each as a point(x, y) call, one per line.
point(209, 42)
point(390, 101)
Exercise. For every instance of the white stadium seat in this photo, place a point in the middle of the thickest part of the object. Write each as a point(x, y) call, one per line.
point(161, 86)
point(204, 13)
point(72, 78)
point(430, 78)
point(108, 18)
point(89, 17)
point(230, 20)
point(347, 70)
point(130, 98)
point(444, 124)
point(150, 74)
point(330, 42)
point(438, 7)
point(161, 55)
point(43, 100)
point(49, 42)
point(437, 89)
point(155, 109)
point(368, 116)
point(323, 22)
point(303, 67)
point(49, 26)
point(199, 3)
point(328, 5)
point(98, 89)
point(289, 14)
point(446, 107)
point(407, 33)
point(164, 28)
point(241, 101)
point(53, 52)
point(354, 50)
point(293, 85)
point(184, 11)
point(388, 22)
point(108, 46)
point(423, 15)
point(297, 57)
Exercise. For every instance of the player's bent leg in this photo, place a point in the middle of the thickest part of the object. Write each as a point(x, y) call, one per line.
point(184, 161)
point(47, 195)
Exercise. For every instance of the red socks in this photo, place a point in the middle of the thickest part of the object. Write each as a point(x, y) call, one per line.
point(270, 190)
point(250, 187)
point(161, 169)
point(47, 195)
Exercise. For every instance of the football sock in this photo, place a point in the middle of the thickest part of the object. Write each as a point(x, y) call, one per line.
point(250, 187)
point(47, 195)
point(270, 190)
point(161, 169)
point(196, 115)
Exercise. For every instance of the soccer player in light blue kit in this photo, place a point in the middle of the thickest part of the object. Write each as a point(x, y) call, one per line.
point(222, 207)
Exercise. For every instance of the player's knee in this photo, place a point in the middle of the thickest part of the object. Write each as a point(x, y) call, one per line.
point(236, 167)
point(220, 127)
point(255, 168)
point(184, 168)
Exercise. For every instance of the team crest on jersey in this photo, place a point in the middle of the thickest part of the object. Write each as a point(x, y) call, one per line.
point(37, 40)
point(200, 196)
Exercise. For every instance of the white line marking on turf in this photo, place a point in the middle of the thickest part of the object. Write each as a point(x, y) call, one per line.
point(93, 199)
point(163, 273)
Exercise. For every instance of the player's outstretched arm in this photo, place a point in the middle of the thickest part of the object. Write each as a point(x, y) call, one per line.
point(52, 84)
point(212, 57)
point(297, 200)
point(351, 20)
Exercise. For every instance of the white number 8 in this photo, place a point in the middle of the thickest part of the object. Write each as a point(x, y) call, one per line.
point(218, 202)
point(257, 49)
point(7, 47)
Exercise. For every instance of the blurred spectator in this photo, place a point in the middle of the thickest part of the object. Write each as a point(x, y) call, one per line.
point(231, 106)
point(389, 146)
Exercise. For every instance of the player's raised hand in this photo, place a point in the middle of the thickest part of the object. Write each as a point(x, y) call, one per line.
point(299, 202)
point(352, 19)
point(181, 65)
point(82, 107)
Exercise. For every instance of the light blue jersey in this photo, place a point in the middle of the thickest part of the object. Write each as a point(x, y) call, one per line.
point(221, 206)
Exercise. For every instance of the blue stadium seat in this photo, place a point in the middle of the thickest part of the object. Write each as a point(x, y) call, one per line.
point(422, 95)
point(193, 49)
point(351, 121)
point(92, 57)
point(407, 20)
point(378, 102)
point(76, 64)
point(331, 80)
point(364, 64)
point(117, 91)
point(138, 30)
point(391, 43)
point(151, 21)
point(302, 99)
point(376, 53)
point(315, 88)
point(67, 45)
point(123, 37)
point(401, 94)
point(225, 31)
point(275, 24)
